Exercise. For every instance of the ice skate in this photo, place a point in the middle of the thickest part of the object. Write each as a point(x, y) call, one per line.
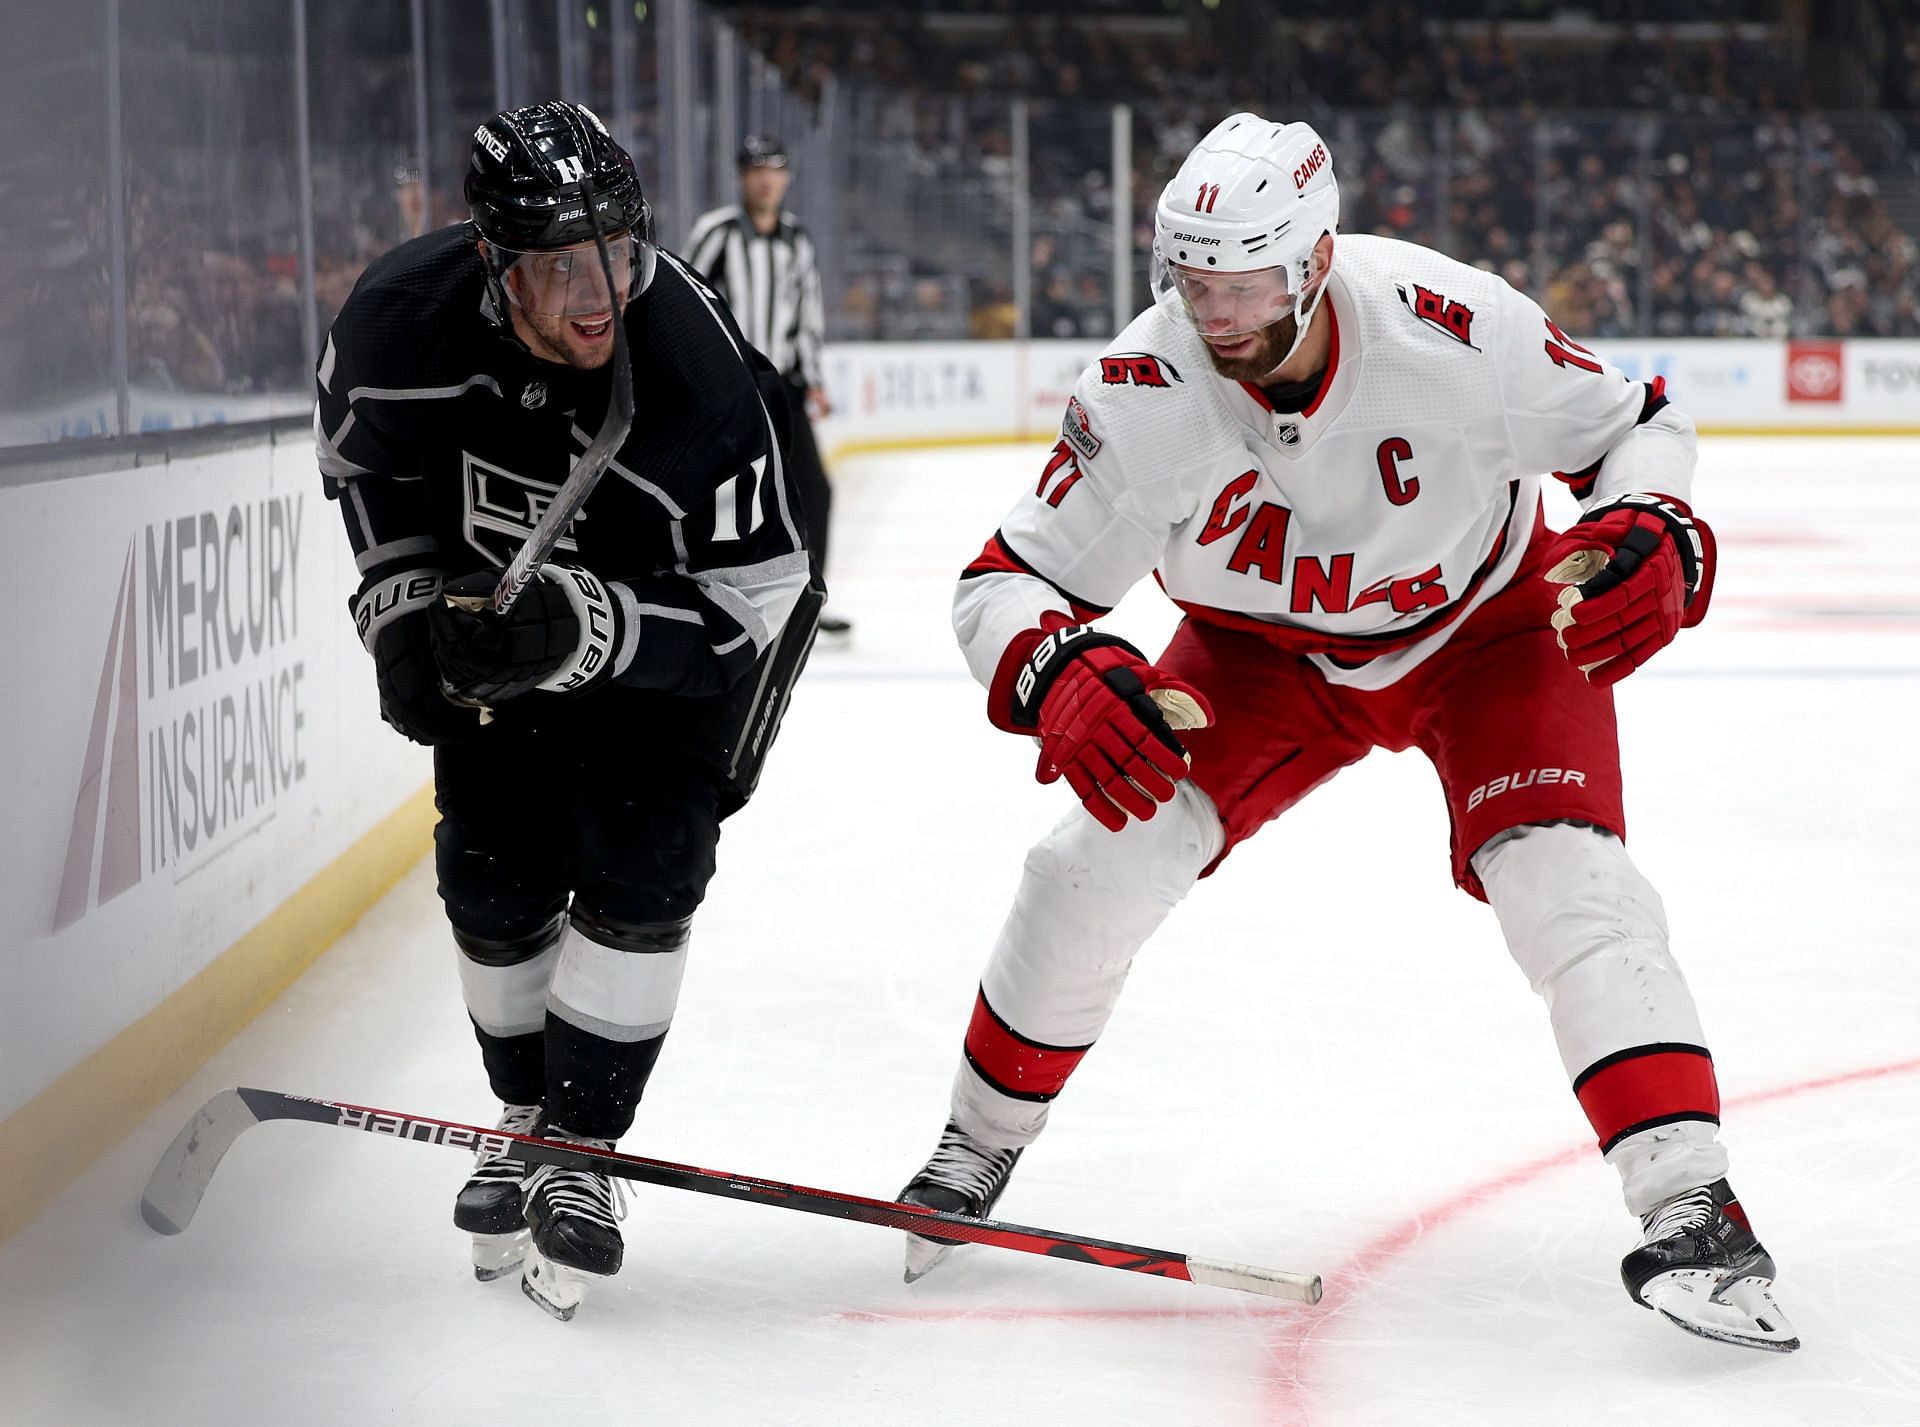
point(488, 1206)
point(963, 1177)
point(573, 1216)
point(1700, 1266)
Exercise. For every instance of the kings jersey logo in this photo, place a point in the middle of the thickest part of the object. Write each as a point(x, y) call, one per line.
point(1442, 314)
point(503, 507)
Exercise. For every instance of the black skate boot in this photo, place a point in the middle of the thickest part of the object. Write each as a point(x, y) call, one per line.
point(574, 1217)
point(963, 1177)
point(1701, 1267)
point(488, 1206)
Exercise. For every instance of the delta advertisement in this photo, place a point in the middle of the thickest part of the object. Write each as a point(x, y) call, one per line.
point(193, 735)
point(887, 394)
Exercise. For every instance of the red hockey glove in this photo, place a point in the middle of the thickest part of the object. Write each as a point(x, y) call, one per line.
point(1106, 721)
point(1637, 571)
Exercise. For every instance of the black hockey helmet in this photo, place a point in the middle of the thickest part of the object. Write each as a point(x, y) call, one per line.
point(527, 183)
point(762, 151)
point(528, 164)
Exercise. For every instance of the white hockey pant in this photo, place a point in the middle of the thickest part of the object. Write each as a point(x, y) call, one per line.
point(1088, 900)
point(1591, 935)
point(1587, 929)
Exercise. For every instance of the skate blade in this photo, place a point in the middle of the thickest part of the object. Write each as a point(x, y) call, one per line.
point(497, 1255)
point(923, 1255)
point(1742, 1313)
point(555, 1287)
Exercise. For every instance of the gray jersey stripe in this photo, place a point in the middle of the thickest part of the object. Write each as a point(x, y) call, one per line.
point(630, 609)
point(394, 550)
point(364, 535)
point(422, 393)
point(694, 283)
point(756, 597)
point(327, 450)
point(639, 482)
point(664, 611)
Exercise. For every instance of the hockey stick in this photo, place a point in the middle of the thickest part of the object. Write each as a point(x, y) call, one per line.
point(593, 461)
point(180, 1181)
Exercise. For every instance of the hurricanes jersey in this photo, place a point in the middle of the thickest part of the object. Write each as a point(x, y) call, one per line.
point(1357, 531)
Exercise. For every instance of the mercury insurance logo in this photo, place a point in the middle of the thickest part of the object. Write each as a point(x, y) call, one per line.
point(197, 717)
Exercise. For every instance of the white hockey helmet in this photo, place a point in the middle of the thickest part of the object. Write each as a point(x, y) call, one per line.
point(1235, 229)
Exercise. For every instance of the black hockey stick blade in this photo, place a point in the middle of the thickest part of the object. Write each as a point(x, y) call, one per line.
point(181, 1178)
point(593, 462)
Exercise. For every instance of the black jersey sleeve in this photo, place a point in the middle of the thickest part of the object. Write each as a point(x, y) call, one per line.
point(740, 562)
point(364, 460)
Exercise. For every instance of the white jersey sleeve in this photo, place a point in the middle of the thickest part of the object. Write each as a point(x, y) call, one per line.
point(1571, 412)
point(1080, 536)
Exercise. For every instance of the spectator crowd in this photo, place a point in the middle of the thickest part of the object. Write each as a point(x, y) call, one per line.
point(1687, 168)
point(1647, 180)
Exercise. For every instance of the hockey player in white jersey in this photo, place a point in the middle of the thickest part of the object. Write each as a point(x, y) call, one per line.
point(1329, 451)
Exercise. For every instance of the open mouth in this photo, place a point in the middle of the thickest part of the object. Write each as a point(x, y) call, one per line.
point(592, 329)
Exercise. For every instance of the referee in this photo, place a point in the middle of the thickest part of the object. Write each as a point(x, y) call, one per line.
point(762, 262)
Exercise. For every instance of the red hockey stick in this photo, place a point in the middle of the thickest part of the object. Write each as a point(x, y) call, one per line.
point(180, 1181)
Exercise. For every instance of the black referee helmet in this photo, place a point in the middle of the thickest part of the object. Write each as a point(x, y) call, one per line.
point(761, 151)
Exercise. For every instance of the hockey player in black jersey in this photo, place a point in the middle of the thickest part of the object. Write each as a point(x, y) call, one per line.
point(630, 690)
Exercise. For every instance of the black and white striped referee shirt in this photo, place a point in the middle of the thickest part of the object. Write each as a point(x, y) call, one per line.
point(771, 283)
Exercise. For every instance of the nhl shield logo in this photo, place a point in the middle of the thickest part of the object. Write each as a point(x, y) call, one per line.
point(1288, 434)
point(534, 396)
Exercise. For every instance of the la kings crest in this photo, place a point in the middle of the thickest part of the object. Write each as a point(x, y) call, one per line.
point(502, 507)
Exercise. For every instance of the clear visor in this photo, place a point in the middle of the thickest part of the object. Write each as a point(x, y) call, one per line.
point(1227, 304)
point(569, 282)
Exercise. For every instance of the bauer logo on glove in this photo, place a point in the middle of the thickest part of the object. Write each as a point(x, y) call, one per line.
point(1106, 720)
point(568, 632)
point(1636, 572)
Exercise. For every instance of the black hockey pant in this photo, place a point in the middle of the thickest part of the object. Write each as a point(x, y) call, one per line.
point(571, 858)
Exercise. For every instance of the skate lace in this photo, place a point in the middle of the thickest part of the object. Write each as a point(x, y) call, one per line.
point(495, 1164)
point(586, 1192)
point(1682, 1214)
point(972, 1169)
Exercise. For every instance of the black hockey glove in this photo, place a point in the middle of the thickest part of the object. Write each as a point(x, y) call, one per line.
point(565, 633)
point(390, 611)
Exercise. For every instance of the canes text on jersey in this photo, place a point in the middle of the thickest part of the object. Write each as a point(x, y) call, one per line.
point(1328, 585)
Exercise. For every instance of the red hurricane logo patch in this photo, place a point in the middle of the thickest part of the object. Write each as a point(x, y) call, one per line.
point(1442, 313)
point(1136, 369)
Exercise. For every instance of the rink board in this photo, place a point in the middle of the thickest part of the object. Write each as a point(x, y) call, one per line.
point(200, 742)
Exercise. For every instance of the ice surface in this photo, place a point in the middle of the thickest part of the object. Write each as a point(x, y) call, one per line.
point(1324, 1062)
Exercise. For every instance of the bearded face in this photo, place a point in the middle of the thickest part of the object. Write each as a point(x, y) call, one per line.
point(585, 342)
point(1254, 356)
